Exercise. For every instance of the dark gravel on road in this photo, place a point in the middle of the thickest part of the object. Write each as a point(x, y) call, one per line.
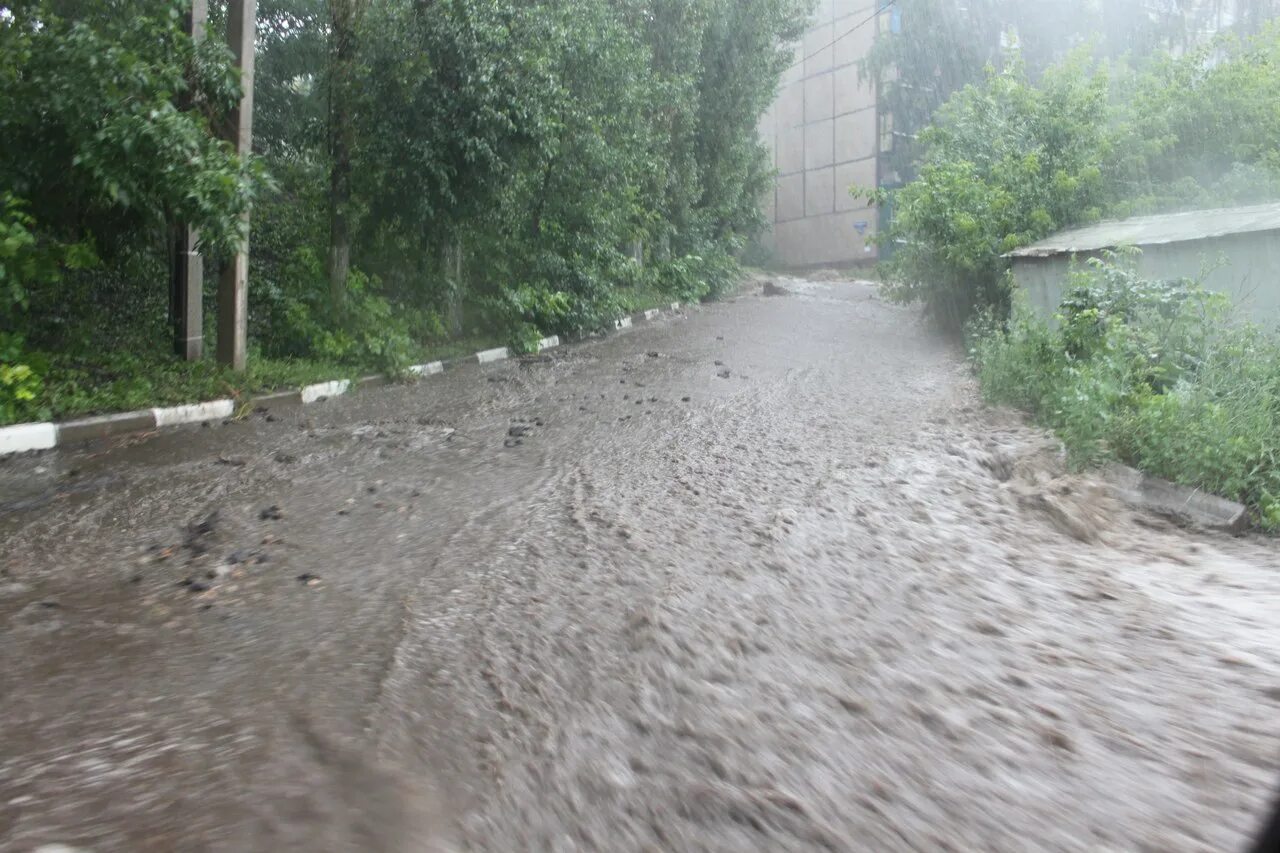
point(763, 577)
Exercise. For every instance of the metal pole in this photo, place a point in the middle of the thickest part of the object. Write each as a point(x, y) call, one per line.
point(186, 267)
point(233, 281)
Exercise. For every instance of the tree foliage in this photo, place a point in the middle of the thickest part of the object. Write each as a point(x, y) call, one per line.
point(1012, 159)
point(480, 166)
point(96, 142)
point(938, 47)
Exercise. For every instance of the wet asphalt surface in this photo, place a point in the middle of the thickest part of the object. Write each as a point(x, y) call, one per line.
point(765, 576)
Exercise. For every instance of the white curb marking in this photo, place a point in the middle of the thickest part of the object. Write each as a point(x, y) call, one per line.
point(43, 436)
point(324, 390)
point(427, 369)
point(23, 437)
point(194, 413)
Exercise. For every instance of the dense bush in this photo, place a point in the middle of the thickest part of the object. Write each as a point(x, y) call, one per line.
point(1007, 163)
point(1013, 159)
point(1149, 373)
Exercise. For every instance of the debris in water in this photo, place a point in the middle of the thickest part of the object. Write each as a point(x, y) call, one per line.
point(205, 526)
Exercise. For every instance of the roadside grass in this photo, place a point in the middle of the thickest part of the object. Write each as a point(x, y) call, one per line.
point(125, 380)
point(642, 299)
point(104, 373)
point(1156, 375)
point(143, 374)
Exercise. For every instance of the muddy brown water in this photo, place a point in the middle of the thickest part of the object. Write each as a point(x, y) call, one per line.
point(788, 608)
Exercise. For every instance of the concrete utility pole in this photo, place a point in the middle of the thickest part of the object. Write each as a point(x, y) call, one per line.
point(186, 271)
point(233, 283)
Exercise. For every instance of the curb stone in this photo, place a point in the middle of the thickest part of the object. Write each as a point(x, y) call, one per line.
point(106, 426)
point(426, 369)
point(22, 438)
point(279, 398)
point(451, 364)
point(194, 413)
point(325, 390)
point(1180, 503)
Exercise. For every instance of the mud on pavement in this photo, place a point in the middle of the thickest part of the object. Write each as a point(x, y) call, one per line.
point(765, 577)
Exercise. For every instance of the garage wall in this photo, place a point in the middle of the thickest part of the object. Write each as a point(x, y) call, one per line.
point(1243, 266)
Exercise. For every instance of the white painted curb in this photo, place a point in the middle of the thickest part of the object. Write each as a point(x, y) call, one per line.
point(21, 438)
point(427, 369)
point(24, 437)
point(194, 413)
point(324, 390)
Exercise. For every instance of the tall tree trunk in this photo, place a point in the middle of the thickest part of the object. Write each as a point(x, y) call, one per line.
point(344, 20)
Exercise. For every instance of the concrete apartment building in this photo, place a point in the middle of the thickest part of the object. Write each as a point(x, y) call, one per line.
point(823, 132)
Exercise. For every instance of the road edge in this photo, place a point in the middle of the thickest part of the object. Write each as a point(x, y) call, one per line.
point(50, 435)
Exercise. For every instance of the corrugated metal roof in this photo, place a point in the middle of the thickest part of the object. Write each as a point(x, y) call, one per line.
point(1156, 230)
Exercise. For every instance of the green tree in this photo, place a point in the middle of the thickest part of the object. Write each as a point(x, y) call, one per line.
point(492, 162)
point(94, 141)
point(1006, 163)
point(937, 47)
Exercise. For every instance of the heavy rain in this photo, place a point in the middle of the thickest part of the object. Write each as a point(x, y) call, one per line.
point(639, 425)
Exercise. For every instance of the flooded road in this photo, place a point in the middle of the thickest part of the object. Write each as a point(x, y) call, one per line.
point(762, 577)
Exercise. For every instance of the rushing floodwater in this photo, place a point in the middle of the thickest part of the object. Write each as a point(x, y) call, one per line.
point(765, 577)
